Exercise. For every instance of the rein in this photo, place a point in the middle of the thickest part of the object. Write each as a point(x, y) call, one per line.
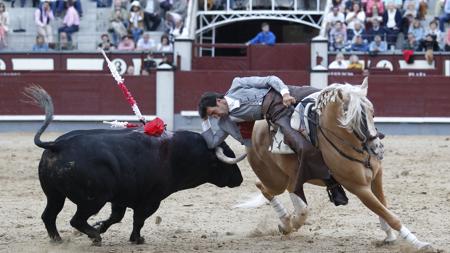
point(365, 162)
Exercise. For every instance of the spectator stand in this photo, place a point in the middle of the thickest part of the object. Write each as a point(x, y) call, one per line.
point(94, 22)
point(214, 14)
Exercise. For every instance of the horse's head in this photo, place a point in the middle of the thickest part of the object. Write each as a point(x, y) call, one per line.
point(355, 113)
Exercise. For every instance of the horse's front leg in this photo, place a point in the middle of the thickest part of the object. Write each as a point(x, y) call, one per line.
point(285, 219)
point(365, 194)
point(300, 211)
point(377, 189)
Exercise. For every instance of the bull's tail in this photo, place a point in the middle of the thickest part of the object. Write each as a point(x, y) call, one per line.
point(39, 97)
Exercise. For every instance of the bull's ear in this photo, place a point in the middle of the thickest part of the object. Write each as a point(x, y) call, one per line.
point(365, 85)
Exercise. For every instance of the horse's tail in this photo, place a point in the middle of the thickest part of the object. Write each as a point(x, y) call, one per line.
point(39, 97)
point(255, 201)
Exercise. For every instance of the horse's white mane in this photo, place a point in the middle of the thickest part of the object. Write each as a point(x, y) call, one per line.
point(356, 101)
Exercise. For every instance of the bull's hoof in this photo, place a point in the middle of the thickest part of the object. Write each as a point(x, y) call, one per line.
point(99, 226)
point(137, 240)
point(97, 242)
point(56, 239)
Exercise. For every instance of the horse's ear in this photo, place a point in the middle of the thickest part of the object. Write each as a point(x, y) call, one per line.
point(365, 85)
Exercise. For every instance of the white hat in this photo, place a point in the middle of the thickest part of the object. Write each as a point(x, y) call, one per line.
point(136, 3)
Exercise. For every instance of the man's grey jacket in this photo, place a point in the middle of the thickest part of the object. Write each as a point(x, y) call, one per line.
point(250, 92)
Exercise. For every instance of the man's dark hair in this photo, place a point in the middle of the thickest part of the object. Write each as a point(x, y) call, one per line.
point(208, 99)
point(264, 24)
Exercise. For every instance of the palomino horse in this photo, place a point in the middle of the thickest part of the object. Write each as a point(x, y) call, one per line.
point(351, 148)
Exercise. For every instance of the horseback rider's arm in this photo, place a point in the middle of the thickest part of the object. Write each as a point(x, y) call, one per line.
point(212, 139)
point(226, 127)
point(264, 82)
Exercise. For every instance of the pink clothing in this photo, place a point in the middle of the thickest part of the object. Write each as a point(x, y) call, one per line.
point(46, 17)
point(71, 17)
point(371, 3)
point(448, 36)
point(129, 46)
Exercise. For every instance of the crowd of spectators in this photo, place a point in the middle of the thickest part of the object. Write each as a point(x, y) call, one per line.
point(129, 24)
point(381, 25)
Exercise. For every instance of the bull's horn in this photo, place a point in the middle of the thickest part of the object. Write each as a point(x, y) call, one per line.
point(222, 157)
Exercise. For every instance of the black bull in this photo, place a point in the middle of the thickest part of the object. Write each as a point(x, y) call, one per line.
point(124, 167)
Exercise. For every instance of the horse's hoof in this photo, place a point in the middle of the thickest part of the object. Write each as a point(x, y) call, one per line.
point(297, 221)
point(284, 229)
point(427, 248)
point(97, 242)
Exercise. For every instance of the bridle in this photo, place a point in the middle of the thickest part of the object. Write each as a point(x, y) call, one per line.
point(364, 142)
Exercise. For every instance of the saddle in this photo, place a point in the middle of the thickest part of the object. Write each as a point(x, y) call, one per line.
point(304, 120)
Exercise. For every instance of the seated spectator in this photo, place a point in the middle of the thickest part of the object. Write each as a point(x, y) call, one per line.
point(359, 45)
point(104, 3)
point(407, 22)
point(42, 17)
point(164, 45)
point(447, 41)
point(339, 62)
point(41, 45)
point(126, 44)
point(357, 15)
point(71, 21)
point(445, 17)
point(333, 16)
point(165, 5)
point(354, 63)
point(433, 30)
point(397, 3)
point(357, 30)
point(265, 37)
point(378, 45)
point(178, 29)
point(410, 7)
point(136, 19)
point(118, 21)
point(149, 63)
point(105, 44)
point(417, 29)
point(152, 15)
point(392, 21)
point(374, 5)
point(4, 25)
point(146, 43)
point(338, 28)
point(410, 43)
point(348, 6)
point(339, 43)
point(338, 3)
point(180, 7)
point(375, 15)
point(64, 43)
point(62, 5)
point(423, 8)
point(429, 43)
point(376, 29)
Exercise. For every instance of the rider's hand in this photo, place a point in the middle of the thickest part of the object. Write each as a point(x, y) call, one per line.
point(288, 100)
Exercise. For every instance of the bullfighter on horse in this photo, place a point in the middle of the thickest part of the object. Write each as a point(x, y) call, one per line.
point(255, 98)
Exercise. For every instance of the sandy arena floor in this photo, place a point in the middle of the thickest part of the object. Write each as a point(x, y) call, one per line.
point(416, 180)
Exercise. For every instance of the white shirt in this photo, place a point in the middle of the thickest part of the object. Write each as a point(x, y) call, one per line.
point(335, 65)
point(391, 19)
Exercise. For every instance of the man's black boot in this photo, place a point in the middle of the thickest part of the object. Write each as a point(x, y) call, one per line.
point(336, 192)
